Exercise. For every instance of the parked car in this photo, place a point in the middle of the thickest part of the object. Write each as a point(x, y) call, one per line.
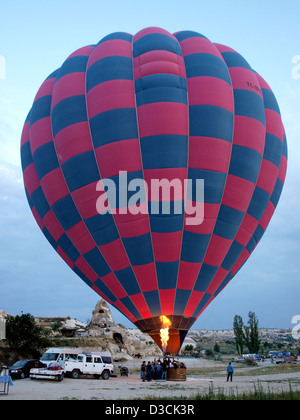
point(22, 368)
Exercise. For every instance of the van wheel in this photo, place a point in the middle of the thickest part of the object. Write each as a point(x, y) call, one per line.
point(75, 374)
point(105, 374)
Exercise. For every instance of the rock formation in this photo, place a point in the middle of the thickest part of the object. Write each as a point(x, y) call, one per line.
point(122, 342)
point(102, 317)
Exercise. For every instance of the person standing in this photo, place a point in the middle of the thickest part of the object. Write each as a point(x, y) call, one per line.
point(143, 371)
point(164, 370)
point(149, 369)
point(229, 372)
point(158, 370)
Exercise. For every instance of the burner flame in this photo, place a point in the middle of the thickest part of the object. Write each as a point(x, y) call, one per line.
point(164, 332)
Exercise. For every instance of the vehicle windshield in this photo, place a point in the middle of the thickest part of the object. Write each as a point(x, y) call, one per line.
point(20, 363)
point(49, 357)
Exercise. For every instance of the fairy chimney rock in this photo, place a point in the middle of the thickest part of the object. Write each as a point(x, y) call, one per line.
point(102, 316)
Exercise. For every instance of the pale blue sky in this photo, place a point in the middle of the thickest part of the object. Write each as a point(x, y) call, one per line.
point(36, 37)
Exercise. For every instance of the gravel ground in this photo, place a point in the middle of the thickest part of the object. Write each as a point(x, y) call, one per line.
point(128, 388)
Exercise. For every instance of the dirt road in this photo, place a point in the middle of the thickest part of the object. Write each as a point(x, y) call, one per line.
point(128, 388)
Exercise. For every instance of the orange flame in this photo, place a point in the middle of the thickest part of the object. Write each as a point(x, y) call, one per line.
point(164, 332)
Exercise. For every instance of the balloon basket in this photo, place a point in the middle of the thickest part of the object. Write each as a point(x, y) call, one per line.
point(178, 374)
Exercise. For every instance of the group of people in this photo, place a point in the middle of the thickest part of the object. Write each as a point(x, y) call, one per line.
point(157, 369)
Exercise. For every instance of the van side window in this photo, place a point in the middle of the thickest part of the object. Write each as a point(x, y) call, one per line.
point(71, 356)
point(97, 360)
point(61, 357)
point(89, 359)
point(106, 359)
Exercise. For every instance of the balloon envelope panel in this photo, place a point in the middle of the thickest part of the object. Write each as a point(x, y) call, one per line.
point(154, 106)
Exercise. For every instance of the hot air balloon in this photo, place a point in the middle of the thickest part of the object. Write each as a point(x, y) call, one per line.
point(154, 106)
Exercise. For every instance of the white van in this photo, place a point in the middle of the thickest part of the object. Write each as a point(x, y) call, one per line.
point(90, 363)
point(60, 355)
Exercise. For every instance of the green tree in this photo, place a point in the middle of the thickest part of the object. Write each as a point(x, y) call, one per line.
point(189, 347)
point(246, 335)
point(22, 333)
point(251, 334)
point(209, 353)
point(238, 329)
point(216, 348)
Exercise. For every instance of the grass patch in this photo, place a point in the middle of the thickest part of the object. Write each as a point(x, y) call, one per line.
point(219, 394)
point(270, 370)
point(258, 394)
point(242, 370)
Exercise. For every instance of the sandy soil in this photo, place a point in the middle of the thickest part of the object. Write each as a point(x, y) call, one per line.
point(127, 388)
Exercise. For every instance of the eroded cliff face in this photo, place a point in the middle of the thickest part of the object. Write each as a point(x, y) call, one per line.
point(122, 342)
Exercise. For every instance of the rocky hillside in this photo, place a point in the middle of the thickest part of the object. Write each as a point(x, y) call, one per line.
point(102, 333)
point(266, 334)
point(122, 342)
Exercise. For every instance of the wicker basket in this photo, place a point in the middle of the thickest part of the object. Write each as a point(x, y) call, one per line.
point(178, 374)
